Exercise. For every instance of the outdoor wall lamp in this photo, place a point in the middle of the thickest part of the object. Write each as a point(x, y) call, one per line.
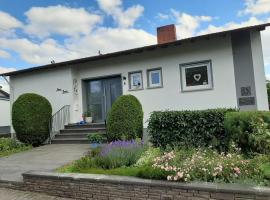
point(58, 89)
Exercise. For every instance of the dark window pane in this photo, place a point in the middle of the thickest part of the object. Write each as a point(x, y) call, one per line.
point(96, 91)
point(196, 76)
point(97, 111)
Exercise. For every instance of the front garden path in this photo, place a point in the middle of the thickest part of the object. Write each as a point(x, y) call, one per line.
point(44, 158)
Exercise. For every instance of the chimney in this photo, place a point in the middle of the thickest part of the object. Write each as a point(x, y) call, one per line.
point(166, 34)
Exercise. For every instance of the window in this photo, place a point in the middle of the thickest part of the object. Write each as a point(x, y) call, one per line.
point(154, 77)
point(135, 80)
point(196, 76)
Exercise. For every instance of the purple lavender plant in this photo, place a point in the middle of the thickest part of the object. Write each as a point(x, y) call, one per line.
point(120, 153)
point(130, 145)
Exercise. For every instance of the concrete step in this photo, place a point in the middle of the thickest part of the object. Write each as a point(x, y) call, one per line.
point(75, 135)
point(71, 135)
point(83, 130)
point(79, 126)
point(70, 141)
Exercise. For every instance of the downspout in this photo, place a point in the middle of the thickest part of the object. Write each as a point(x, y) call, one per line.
point(11, 96)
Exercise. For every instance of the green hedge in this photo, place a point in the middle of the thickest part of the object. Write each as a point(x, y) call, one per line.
point(189, 128)
point(249, 130)
point(125, 120)
point(31, 114)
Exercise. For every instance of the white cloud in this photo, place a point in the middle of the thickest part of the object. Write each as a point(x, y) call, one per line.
point(187, 25)
point(256, 7)
point(123, 18)
point(109, 5)
point(4, 54)
point(38, 53)
point(111, 39)
point(6, 69)
point(104, 39)
point(8, 22)
point(44, 21)
point(162, 16)
point(230, 25)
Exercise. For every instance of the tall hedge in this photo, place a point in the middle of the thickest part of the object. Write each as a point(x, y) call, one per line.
point(31, 114)
point(189, 128)
point(125, 120)
point(249, 130)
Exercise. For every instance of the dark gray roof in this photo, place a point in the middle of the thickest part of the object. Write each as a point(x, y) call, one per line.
point(259, 27)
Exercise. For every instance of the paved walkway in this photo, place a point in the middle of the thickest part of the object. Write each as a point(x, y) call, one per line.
point(6, 194)
point(44, 158)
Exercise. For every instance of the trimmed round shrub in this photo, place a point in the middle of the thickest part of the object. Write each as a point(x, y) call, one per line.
point(31, 114)
point(125, 120)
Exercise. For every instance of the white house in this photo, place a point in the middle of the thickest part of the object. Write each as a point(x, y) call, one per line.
point(4, 112)
point(218, 70)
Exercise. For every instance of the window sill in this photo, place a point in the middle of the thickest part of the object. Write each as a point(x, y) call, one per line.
point(197, 90)
point(155, 87)
point(131, 90)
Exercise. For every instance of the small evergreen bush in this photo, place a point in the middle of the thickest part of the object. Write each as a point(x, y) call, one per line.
point(31, 114)
point(125, 120)
point(250, 131)
point(189, 129)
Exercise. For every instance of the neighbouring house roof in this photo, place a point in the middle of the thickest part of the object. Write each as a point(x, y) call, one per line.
point(3, 94)
point(259, 27)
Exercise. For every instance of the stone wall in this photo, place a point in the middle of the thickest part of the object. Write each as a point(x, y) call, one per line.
point(80, 186)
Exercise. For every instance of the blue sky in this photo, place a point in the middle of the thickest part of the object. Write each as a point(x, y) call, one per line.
point(35, 32)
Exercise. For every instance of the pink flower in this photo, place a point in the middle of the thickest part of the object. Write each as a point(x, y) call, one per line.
point(237, 170)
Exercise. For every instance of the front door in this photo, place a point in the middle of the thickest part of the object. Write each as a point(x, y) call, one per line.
point(101, 95)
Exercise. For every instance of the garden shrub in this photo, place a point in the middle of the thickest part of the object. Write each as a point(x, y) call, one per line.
point(250, 131)
point(9, 146)
point(209, 166)
point(119, 154)
point(114, 155)
point(125, 120)
point(189, 128)
point(31, 114)
point(148, 156)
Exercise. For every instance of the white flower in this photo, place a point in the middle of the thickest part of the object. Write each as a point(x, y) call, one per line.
point(180, 174)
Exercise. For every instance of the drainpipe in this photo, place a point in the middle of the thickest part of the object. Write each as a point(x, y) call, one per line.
point(11, 96)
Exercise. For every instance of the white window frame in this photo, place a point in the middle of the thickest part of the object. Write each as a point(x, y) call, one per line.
point(131, 76)
point(183, 68)
point(149, 78)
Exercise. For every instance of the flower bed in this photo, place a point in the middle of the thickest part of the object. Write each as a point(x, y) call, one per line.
point(132, 158)
point(10, 146)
